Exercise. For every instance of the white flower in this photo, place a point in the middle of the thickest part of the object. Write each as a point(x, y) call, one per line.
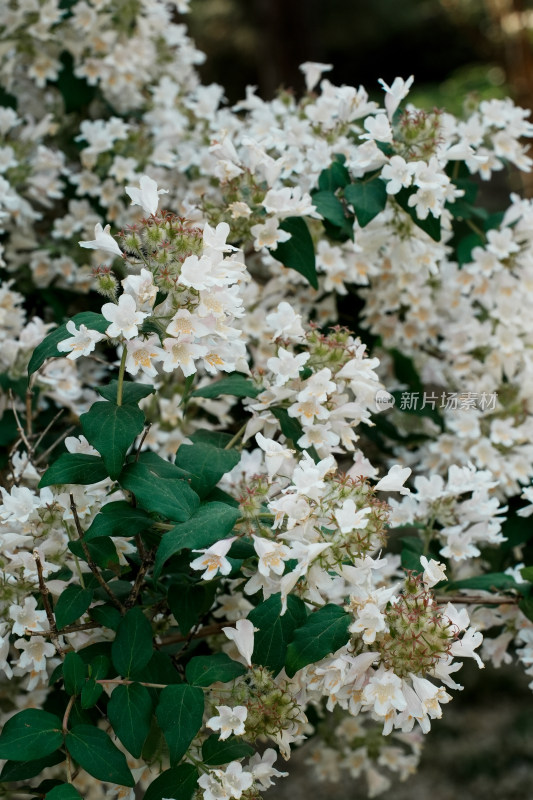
point(215, 238)
point(263, 770)
point(236, 779)
point(34, 653)
point(285, 322)
point(142, 354)
point(272, 556)
point(82, 341)
point(142, 289)
point(147, 196)
point(18, 505)
point(26, 617)
point(349, 518)
point(102, 241)
point(213, 559)
point(313, 71)
point(124, 317)
point(181, 353)
point(243, 637)
point(275, 454)
point(383, 693)
point(286, 365)
point(434, 572)
point(395, 93)
point(269, 234)
point(229, 720)
point(394, 480)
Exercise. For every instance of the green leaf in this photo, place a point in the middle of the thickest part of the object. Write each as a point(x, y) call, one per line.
point(171, 497)
point(102, 551)
point(298, 252)
point(215, 752)
point(206, 464)
point(30, 734)
point(90, 694)
point(526, 607)
point(133, 647)
point(106, 615)
point(206, 670)
point(430, 225)
point(96, 754)
point(527, 574)
point(131, 392)
point(178, 783)
point(23, 770)
point(212, 521)
point(118, 519)
point(48, 347)
point(71, 604)
point(331, 208)
point(74, 468)
point(236, 384)
point(334, 177)
point(179, 714)
point(64, 792)
point(292, 430)
point(323, 633)
point(190, 602)
point(412, 549)
point(368, 198)
point(490, 581)
point(275, 631)
point(74, 673)
point(130, 711)
point(112, 430)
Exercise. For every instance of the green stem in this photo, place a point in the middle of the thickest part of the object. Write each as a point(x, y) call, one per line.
point(121, 375)
point(236, 438)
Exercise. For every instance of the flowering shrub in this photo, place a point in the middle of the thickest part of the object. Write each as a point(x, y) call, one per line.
point(229, 523)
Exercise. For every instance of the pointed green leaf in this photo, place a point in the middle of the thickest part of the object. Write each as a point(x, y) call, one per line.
point(133, 647)
point(64, 792)
point(206, 670)
point(331, 208)
point(74, 468)
point(275, 631)
point(178, 783)
point(112, 430)
point(118, 519)
point(30, 734)
point(236, 384)
point(74, 673)
point(102, 551)
point(106, 615)
point(212, 521)
point(324, 632)
point(71, 604)
point(368, 198)
point(431, 225)
point(179, 714)
point(91, 693)
point(215, 752)
point(131, 392)
point(205, 464)
point(190, 602)
point(334, 177)
point(96, 754)
point(48, 347)
point(171, 497)
point(23, 770)
point(298, 252)
point(129, 711)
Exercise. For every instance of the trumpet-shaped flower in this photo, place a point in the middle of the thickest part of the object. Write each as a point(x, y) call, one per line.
point(146, 195)
point(102, 241)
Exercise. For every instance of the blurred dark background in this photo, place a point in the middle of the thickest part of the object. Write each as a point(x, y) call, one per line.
point(453, 47)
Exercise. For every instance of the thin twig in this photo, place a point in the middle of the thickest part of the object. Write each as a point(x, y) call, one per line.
point(123, 682)
point(92, 566)
point(208, 630)
point(143, 437)
point(45, 594)
point(478, 600)
point(29, 412)
point(236, 438)
point(83, 626)
point(53, 446)
point(20, 429)
point(147, 561)
point(50, 425)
